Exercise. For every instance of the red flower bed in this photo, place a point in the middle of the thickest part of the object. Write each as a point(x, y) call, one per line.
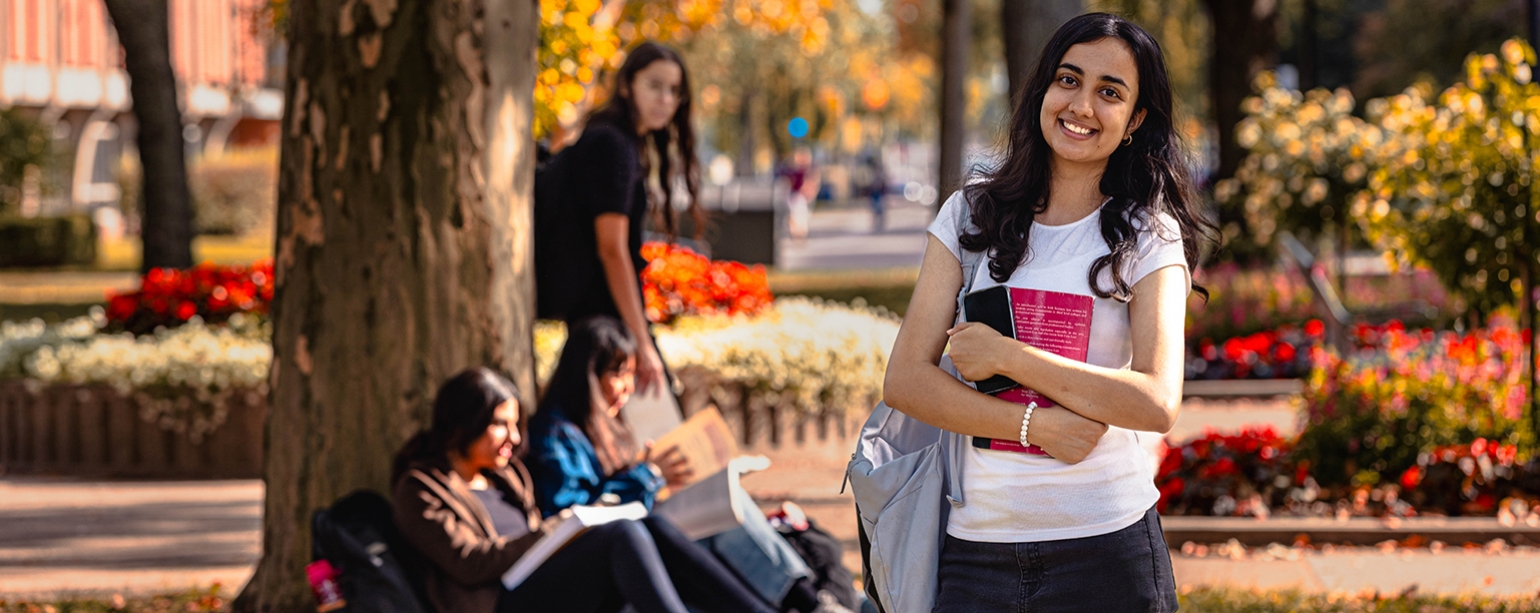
point(679, 281)
point(170, 297)
point(1482, 478)
point(1282, 353)
point(1245, 474)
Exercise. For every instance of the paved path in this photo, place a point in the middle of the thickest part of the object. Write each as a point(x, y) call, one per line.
point(66, 536)
point(844, 239)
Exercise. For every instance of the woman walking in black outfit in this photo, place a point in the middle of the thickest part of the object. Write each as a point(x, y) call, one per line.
point(635, 151)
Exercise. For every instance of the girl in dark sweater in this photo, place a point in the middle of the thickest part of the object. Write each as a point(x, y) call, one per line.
point(463, 499)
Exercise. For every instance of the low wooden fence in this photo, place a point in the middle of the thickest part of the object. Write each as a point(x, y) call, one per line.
point(93, 431)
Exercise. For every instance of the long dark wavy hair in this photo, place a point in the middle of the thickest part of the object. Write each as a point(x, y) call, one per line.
point(1144, 178)
point(463, 409)
point(595, 346)
point(673, 147)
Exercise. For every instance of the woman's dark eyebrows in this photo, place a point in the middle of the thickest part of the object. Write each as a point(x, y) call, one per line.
point(1112, 79)
point(1079, 71)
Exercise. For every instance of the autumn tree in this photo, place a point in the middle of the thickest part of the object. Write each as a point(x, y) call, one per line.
point(166, 223)
point(754, 66)
point(1459, 192)
point(403, 248)
point(1308, 160)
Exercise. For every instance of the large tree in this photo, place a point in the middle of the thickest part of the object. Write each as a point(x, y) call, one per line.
point(403, 248)
point(1245, 42)
point(1026, 26)
point(166, 224)
point(956, 24)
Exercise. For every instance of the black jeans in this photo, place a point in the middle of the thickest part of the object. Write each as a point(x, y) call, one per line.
point(647, 564)
point(1126, 571)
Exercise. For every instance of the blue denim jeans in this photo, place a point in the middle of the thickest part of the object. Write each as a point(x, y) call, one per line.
point(1126, 571)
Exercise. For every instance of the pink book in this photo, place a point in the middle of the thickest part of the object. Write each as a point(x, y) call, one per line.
point(1055, 322)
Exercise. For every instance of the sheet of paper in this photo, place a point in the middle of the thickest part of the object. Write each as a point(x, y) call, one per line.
point(652, 414)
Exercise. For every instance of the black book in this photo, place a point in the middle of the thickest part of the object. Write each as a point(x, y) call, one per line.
point(992, 307)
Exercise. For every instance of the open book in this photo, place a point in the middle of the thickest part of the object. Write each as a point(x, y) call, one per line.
point(715, 504)
point(712, 501)
point(581, 518)
point(704, 440)
point(1055, 322)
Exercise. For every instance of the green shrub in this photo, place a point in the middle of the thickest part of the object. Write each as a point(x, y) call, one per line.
point(233, 194)
point(23, 142)
point(47, 241)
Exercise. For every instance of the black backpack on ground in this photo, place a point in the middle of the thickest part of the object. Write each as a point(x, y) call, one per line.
point(824, 555)
point(379, 571)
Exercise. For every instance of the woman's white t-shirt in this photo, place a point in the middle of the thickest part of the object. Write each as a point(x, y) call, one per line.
point(1015, 497)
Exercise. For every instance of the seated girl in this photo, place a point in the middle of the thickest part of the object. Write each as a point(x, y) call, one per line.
point(464, 500)
point(580, 450)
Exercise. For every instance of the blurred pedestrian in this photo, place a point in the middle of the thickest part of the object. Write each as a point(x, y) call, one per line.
point(876, 189)
point(802, 189)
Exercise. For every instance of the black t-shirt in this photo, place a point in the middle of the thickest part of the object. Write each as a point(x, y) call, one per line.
point(604, 175)
point(509, 521)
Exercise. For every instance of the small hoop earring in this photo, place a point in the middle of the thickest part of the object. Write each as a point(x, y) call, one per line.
point(1128, 140)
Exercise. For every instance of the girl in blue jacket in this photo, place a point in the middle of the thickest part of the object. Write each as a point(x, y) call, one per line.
point(581, 449)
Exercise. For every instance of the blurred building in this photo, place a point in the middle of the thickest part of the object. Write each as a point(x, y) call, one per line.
point(60, 63)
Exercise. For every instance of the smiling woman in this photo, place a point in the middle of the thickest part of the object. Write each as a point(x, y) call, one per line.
point(1093, 199)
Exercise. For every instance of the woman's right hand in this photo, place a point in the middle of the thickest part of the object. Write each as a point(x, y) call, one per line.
point(1064, 434)
point(672, 465)
point(550, 523)
point(649, 369)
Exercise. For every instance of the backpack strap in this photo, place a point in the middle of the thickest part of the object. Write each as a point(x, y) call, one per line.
point(970, 260)
point(953, 446)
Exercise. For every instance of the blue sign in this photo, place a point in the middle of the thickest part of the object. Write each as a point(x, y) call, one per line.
point(797, 127)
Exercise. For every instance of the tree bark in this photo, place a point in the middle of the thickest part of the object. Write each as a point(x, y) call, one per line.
point(1245, 43)
point(1026, 26)
point(404, 244)
point(956, 27)
point(166, 206)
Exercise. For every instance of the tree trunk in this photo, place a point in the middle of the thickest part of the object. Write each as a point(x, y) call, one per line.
point(956, 28)
point(1309, 60)
point(1027, 25)
point(1245, 43)
point(404, 244)
point(166, 220)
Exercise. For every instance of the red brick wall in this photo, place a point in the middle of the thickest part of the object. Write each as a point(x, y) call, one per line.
point(214, 42)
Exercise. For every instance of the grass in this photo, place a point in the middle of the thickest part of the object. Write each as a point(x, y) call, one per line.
point(1230, 600)
point(49, 312)
point(197, 600)
point(1202, 600)
point(123, 254)
point(888, 288)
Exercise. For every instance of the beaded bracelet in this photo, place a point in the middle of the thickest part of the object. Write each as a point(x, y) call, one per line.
point(1026, 418)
